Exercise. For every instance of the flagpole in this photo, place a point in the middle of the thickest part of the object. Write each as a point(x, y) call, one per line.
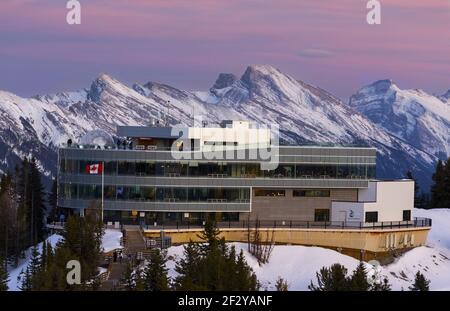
point(103, 188)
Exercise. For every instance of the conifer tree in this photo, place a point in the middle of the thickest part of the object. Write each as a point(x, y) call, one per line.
point(417, 196)
point(4, 276)
point(358, 280)
point(155, 273)
point(331, 279)
point(186, 267)
point(384, 286)
point(420, 283)
point(281, 285)
point(52, 201)
point(438, 189)
point(128, 277)
point(139, 280)
point(213, 266)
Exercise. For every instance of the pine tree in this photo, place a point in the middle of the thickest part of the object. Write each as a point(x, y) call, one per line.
point(331, 279)
point(139, 279)
point(281, 285)
point(417, 195)
point(384, 286)
point(420, 283)
point(213, 266)
point(358, 280)
point(4, 276)
point(128, 277)
point(438, 189)
point(446, 187)
point(52, 201)
point(25, 279)
point(186, 267)
point(155, 273)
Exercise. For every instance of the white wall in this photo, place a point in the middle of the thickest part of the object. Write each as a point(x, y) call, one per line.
point(240, 132)
point(388, 198)
point(393, 197)
point(347, 211)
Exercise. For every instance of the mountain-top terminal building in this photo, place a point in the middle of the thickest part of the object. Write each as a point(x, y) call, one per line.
point(162, 176)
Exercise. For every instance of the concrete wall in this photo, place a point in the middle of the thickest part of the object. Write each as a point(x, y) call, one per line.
point(377, 241)
point(294, 208)
point(388, 198)
point(393, 197)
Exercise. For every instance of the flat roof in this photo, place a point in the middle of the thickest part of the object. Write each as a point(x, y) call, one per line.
point(145, 132)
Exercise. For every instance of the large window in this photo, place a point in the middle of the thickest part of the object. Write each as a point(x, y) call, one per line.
point(371, 216)
point(155, 194)
point(311, 193)
point(270, 192)
point(222, 169)
point(321, 215)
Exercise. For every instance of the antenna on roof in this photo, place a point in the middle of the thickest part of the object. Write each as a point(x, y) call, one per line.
point(167, 114)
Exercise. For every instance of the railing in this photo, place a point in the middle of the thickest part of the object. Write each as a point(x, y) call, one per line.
point(292, 224)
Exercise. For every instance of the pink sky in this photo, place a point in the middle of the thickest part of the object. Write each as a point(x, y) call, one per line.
point(187, 43)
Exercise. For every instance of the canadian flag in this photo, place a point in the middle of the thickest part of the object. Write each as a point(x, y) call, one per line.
point(94, 169)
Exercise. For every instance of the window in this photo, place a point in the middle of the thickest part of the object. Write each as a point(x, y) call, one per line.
point(322, 215)
point(371, 216)
point(270, 193)
point(311, 193)
point(406, 215)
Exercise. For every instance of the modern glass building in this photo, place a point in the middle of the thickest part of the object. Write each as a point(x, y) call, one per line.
point(163, 174)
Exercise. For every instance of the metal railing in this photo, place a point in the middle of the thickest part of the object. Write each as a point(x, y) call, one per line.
point(292, 224)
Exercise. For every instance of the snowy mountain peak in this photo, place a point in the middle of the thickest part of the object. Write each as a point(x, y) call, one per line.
point(263, 94)
point(421, 119)
point(224, 80)
point(446, 96)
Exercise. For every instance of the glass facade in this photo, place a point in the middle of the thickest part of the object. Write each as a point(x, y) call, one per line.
point(222, 169)
point(311, 193)
point(155, 194)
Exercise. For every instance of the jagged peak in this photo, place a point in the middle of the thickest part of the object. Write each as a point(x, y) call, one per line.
point(254, 71)
point(446, 95)
point(379, 87)
point(224, 80)
point(102, 82)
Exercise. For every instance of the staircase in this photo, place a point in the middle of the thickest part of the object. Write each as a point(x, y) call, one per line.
point(134, 241)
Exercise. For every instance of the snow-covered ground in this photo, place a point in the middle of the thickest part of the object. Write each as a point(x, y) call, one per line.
point(110, 241)
point(298, 264)
point(13, 283)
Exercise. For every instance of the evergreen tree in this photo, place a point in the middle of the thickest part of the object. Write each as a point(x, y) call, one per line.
point(213, 266)
point(139, 280)
point(25, 279)
point(52, 201)
point(446, 194)
point(128, 277)
point(155, 273)
point(439, 189)
point(187, 269)
point(358, 280)
point(420, 283)
point(4, 276)
point(381, 287)
point(331, 279)
point(82, 237)
point(417, 195)
point(281, 285)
